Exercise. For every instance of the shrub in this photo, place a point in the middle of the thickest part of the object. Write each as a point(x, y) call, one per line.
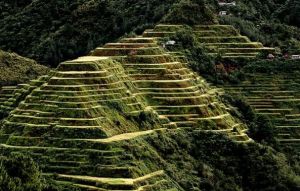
point(262, 129)
point(207, 125)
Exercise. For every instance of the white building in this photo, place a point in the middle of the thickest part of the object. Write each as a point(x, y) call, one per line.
point(295, 57)
point(227, 4)
point(222, 13)
point(171, 42)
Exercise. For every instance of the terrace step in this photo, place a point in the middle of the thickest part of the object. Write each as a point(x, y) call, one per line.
point(292, 116)
point(234, 45)
point(185, 124)
point(243, 50)
point(211, 118)
point(167, 27)
point(224, 39)
point(121, 137)
point(126, 51)
point(138, 40)
point(129, 45)
point(67, 150)
point(111, 183)
point(157, 34)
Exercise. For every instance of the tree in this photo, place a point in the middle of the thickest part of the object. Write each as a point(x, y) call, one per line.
point(19, 173)
point(191, 12)
point(262, 129)
point(290, 12)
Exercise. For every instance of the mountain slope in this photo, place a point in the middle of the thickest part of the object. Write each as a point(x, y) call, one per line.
point(93, 124)
point(15, 69)
point(132, 116)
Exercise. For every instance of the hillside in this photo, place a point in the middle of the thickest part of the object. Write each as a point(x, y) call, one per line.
point(15, 69)
point(149, 95)
point(53, 31)
point(119, 120)
point(270, 87)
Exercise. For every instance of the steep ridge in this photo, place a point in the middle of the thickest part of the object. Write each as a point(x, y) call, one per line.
point(76, 123)
point(217, 39)
point(170, 88)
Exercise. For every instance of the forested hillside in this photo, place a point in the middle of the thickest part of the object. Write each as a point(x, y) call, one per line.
point(53, 31)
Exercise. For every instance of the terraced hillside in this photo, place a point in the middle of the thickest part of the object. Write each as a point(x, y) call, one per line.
point(77, 122)
point(278, 97)
point(74, 124)
point(217, 39)
point(11, 96)
point(170, 88)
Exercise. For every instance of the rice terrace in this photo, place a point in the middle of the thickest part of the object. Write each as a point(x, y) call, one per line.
point(157, 95)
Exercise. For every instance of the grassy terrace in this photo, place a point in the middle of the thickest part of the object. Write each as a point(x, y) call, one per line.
point(277, 96)
point(218, 39)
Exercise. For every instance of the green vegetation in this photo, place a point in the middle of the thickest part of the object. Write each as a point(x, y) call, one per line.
point(276, 66)
point(270, 90)
point(169, 86)
point(195, 160)
point(186, 42)
point(214, 61)
point(268, 115)
point(211, 161)
point(261, 128)
point(191, 12)
point(88, 108)
point(133, 115)
point(51, 32)
point(269, 22)
point(19, 173)
point(15, 69)
point(289, 13)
